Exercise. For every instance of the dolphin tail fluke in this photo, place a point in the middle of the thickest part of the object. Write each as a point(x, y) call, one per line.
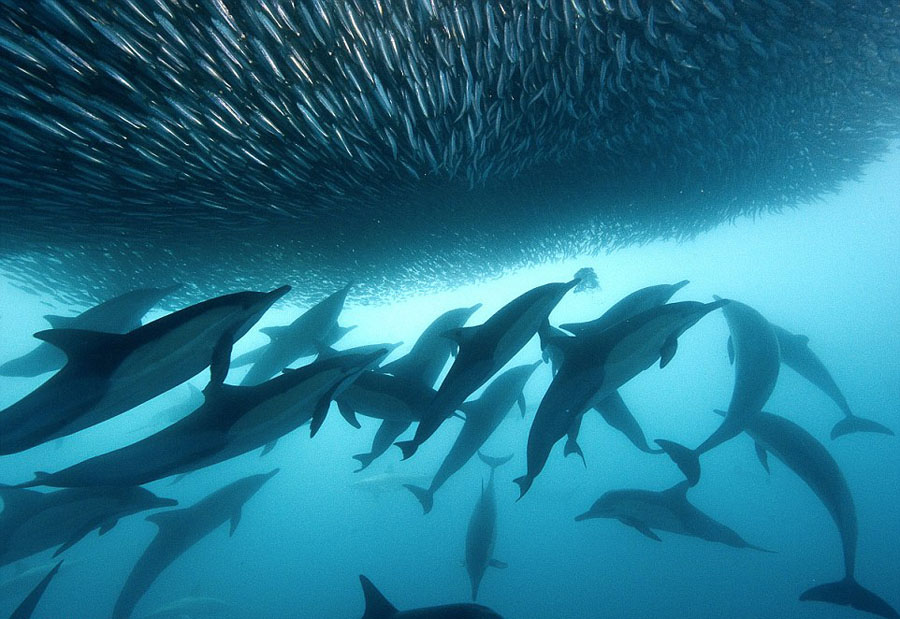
point(687, 459)
point(377, 606)
point(852, 423)
point(364, 460)
point(408, 448)
point(848, 592)
point(494, 462)
point(425, 496)
point(524, 484)
point(572, 447)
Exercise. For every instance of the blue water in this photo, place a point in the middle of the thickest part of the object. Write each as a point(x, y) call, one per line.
point(828, 270)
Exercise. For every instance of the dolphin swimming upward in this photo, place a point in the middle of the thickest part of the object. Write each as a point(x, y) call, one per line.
point(804, 455)
point(669, 510)
point(378, 607)
point(483, 416)
point(756, 364)
point(120, 314)
point(26, 608)
point(316, 328)
point(485, 349)
point(482, 531)
point(597, 364)
point(232, 421)
point(179, 529)
point(108, 374)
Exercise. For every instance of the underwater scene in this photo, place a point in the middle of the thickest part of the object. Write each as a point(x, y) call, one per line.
point(523, 309)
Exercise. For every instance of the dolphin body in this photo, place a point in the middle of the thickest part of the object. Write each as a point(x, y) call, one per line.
point(598, 364)
point(669, 510)
point(179, 529)
point(232, 421)
point(483, 416)
point(192, 607)
point(317, 327)
point(796, 354)
point(378, 607)
point(757, 360)
point(483, 350)
point(108, 374)
point(120, 314)
point(32, 522)
point(616, 413)
point(26, 608)
point(482, 531)
point(804, 455)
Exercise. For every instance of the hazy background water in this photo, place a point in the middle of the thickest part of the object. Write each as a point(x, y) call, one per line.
point(829, 271)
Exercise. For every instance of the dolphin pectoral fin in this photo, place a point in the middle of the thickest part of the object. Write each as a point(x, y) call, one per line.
point(76, 537)
point(425, 496)
point(235, 521)
point(521, 402)
point(852, 423)
point(667, 352)
point(80, 342)
point(637, 525)
point(730, 346)
point(500, 565)
point(763, 456)
point(686, 459)
point(268, 447)
point(349, 414)
point(319, 414)
point(377, 606)
point(221, 359)
point(848, 592)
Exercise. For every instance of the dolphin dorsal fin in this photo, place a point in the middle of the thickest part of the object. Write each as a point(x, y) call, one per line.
point(59, 322)
point(273, 333)
point(678, 492)
point(221, 360)
point(160, 519)
point(377, 606)
point(461, 335)
point(79, 342)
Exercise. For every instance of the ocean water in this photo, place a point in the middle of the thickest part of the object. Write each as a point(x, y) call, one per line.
point(829, 270)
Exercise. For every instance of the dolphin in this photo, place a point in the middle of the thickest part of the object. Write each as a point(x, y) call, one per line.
point(804, 455)
point(120, 314)
point(316, 327)
point(483, 416)
point(179, 529)
point(382, 483)
point(669, 510)
point(192, 606)
point(485, 349)
point(597, 364)
point(32, 522)
point(482, 531)
point(378, 607)
point(108, 374)
point(756, 364)
point(26, 608)
point(232, 421)
point(796, 354)
point(191, 402)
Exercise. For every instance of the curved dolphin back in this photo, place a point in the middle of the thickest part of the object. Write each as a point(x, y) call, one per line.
point(377, 606)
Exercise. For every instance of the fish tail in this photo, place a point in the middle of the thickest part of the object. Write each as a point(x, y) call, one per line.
point(852, 423)
point(848, 592)
point(425, 496)
point(686, 459)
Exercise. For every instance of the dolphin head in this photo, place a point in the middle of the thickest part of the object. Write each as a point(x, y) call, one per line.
point(254, 306)
point(140, 499)
point(604, 507)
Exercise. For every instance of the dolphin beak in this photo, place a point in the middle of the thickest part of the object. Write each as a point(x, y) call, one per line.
point(276, 294)
point(164, 502)
point(475, 308)
point(272, 473)
point(585, 516)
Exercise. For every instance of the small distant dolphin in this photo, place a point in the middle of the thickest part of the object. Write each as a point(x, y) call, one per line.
point(796, 354)
point(26, 608)
point(382, 483)
point(669, 510)
point(179, 529)
point(316, 327)
point(597, 364)
point(378, 607)
point(191, 607)
point(232, 421)
point(756, 364)
point(804, 455)
point(482, 531)
point(484, 350)
point(108, 374)
point(483, 416)
point(32, 522)
point(120, 314)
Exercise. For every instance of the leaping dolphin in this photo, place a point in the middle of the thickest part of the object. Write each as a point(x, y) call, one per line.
point(108, 374)
point(597, 364)
point(484, 350)
point(120, 314)
point(669, 510)
point(483, 416)
point(26, 608)
point(756, 363)
point(179, 529)
point(482, 531)
point(378, 607)
point(317, 327)
point(804, 455)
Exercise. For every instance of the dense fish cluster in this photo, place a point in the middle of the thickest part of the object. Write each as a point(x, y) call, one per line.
point(412, 140)
point(108, 374)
